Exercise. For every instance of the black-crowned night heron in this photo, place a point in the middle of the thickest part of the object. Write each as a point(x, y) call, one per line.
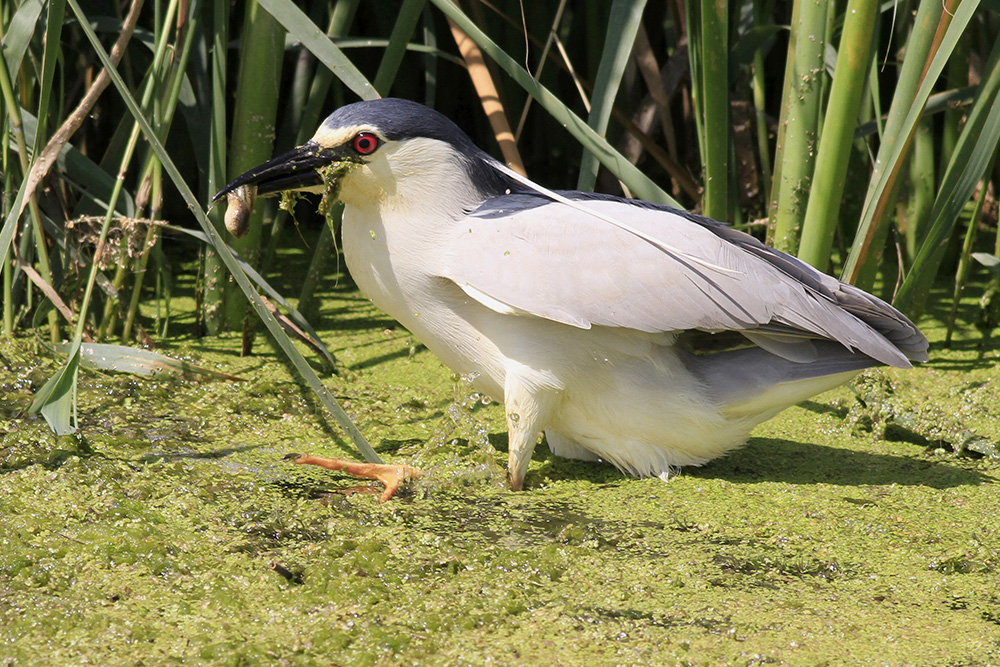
point(626, 331)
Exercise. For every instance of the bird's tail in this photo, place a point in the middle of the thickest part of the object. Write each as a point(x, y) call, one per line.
point(752, 382)
point(886, 320)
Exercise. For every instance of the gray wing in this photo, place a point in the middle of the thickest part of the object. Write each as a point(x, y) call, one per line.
point(525, 255)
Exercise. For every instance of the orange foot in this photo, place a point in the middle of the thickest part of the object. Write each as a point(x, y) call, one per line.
point(390, 475)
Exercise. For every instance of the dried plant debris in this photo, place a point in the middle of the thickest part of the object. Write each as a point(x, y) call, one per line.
point(126, 237)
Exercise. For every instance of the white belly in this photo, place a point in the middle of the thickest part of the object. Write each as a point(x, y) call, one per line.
point(623, 395)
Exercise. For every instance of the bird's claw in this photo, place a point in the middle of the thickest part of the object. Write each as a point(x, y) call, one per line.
point(390, 475)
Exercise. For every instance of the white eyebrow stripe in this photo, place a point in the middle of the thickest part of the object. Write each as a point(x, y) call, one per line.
point(332, 137)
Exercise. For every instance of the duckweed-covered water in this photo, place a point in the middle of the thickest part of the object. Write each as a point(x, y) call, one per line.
point(859, 528)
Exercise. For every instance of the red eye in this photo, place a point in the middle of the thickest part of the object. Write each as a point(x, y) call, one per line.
point(365, 143)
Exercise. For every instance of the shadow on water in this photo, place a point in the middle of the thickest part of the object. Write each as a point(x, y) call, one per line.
point(54, 458)
point(402, 353)
point(820, 408)
point(515, 521)
point(221, 453)
point(963, 365)
point(776, 460)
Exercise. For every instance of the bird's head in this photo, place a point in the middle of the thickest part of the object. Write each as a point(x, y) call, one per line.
point(383, 150)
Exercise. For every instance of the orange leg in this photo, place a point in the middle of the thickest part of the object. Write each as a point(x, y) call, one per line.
point(389, 475)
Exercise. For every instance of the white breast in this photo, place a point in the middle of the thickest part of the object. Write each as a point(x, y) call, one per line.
point(395, 269)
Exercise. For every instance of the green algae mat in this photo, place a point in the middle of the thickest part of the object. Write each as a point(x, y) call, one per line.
point(858, 528)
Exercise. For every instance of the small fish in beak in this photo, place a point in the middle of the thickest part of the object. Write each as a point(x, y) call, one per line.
point(299, 169)
point(240, 203)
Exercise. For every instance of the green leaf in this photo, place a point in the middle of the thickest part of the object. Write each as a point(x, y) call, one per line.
point(624, 23)
point(798, 125)
point(636, 181)
point(407, 21)
point(18, 33)
point(834, 150)
point(303, 29)
point(293, 314)
point(83, 174)
point(976, 146)
point(10, 222)
point(124, 359)
point(991, 262)
point(56, 400)
point(280, 337)
point(711, 90)
point(897, 133)
point(759, 37)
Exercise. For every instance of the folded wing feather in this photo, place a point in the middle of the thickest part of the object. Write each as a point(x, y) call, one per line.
point(545, 259)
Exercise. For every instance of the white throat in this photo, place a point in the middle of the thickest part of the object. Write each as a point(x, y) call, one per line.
point(410, 176)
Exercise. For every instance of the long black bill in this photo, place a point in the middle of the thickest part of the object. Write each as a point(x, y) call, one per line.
point(295, 170)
